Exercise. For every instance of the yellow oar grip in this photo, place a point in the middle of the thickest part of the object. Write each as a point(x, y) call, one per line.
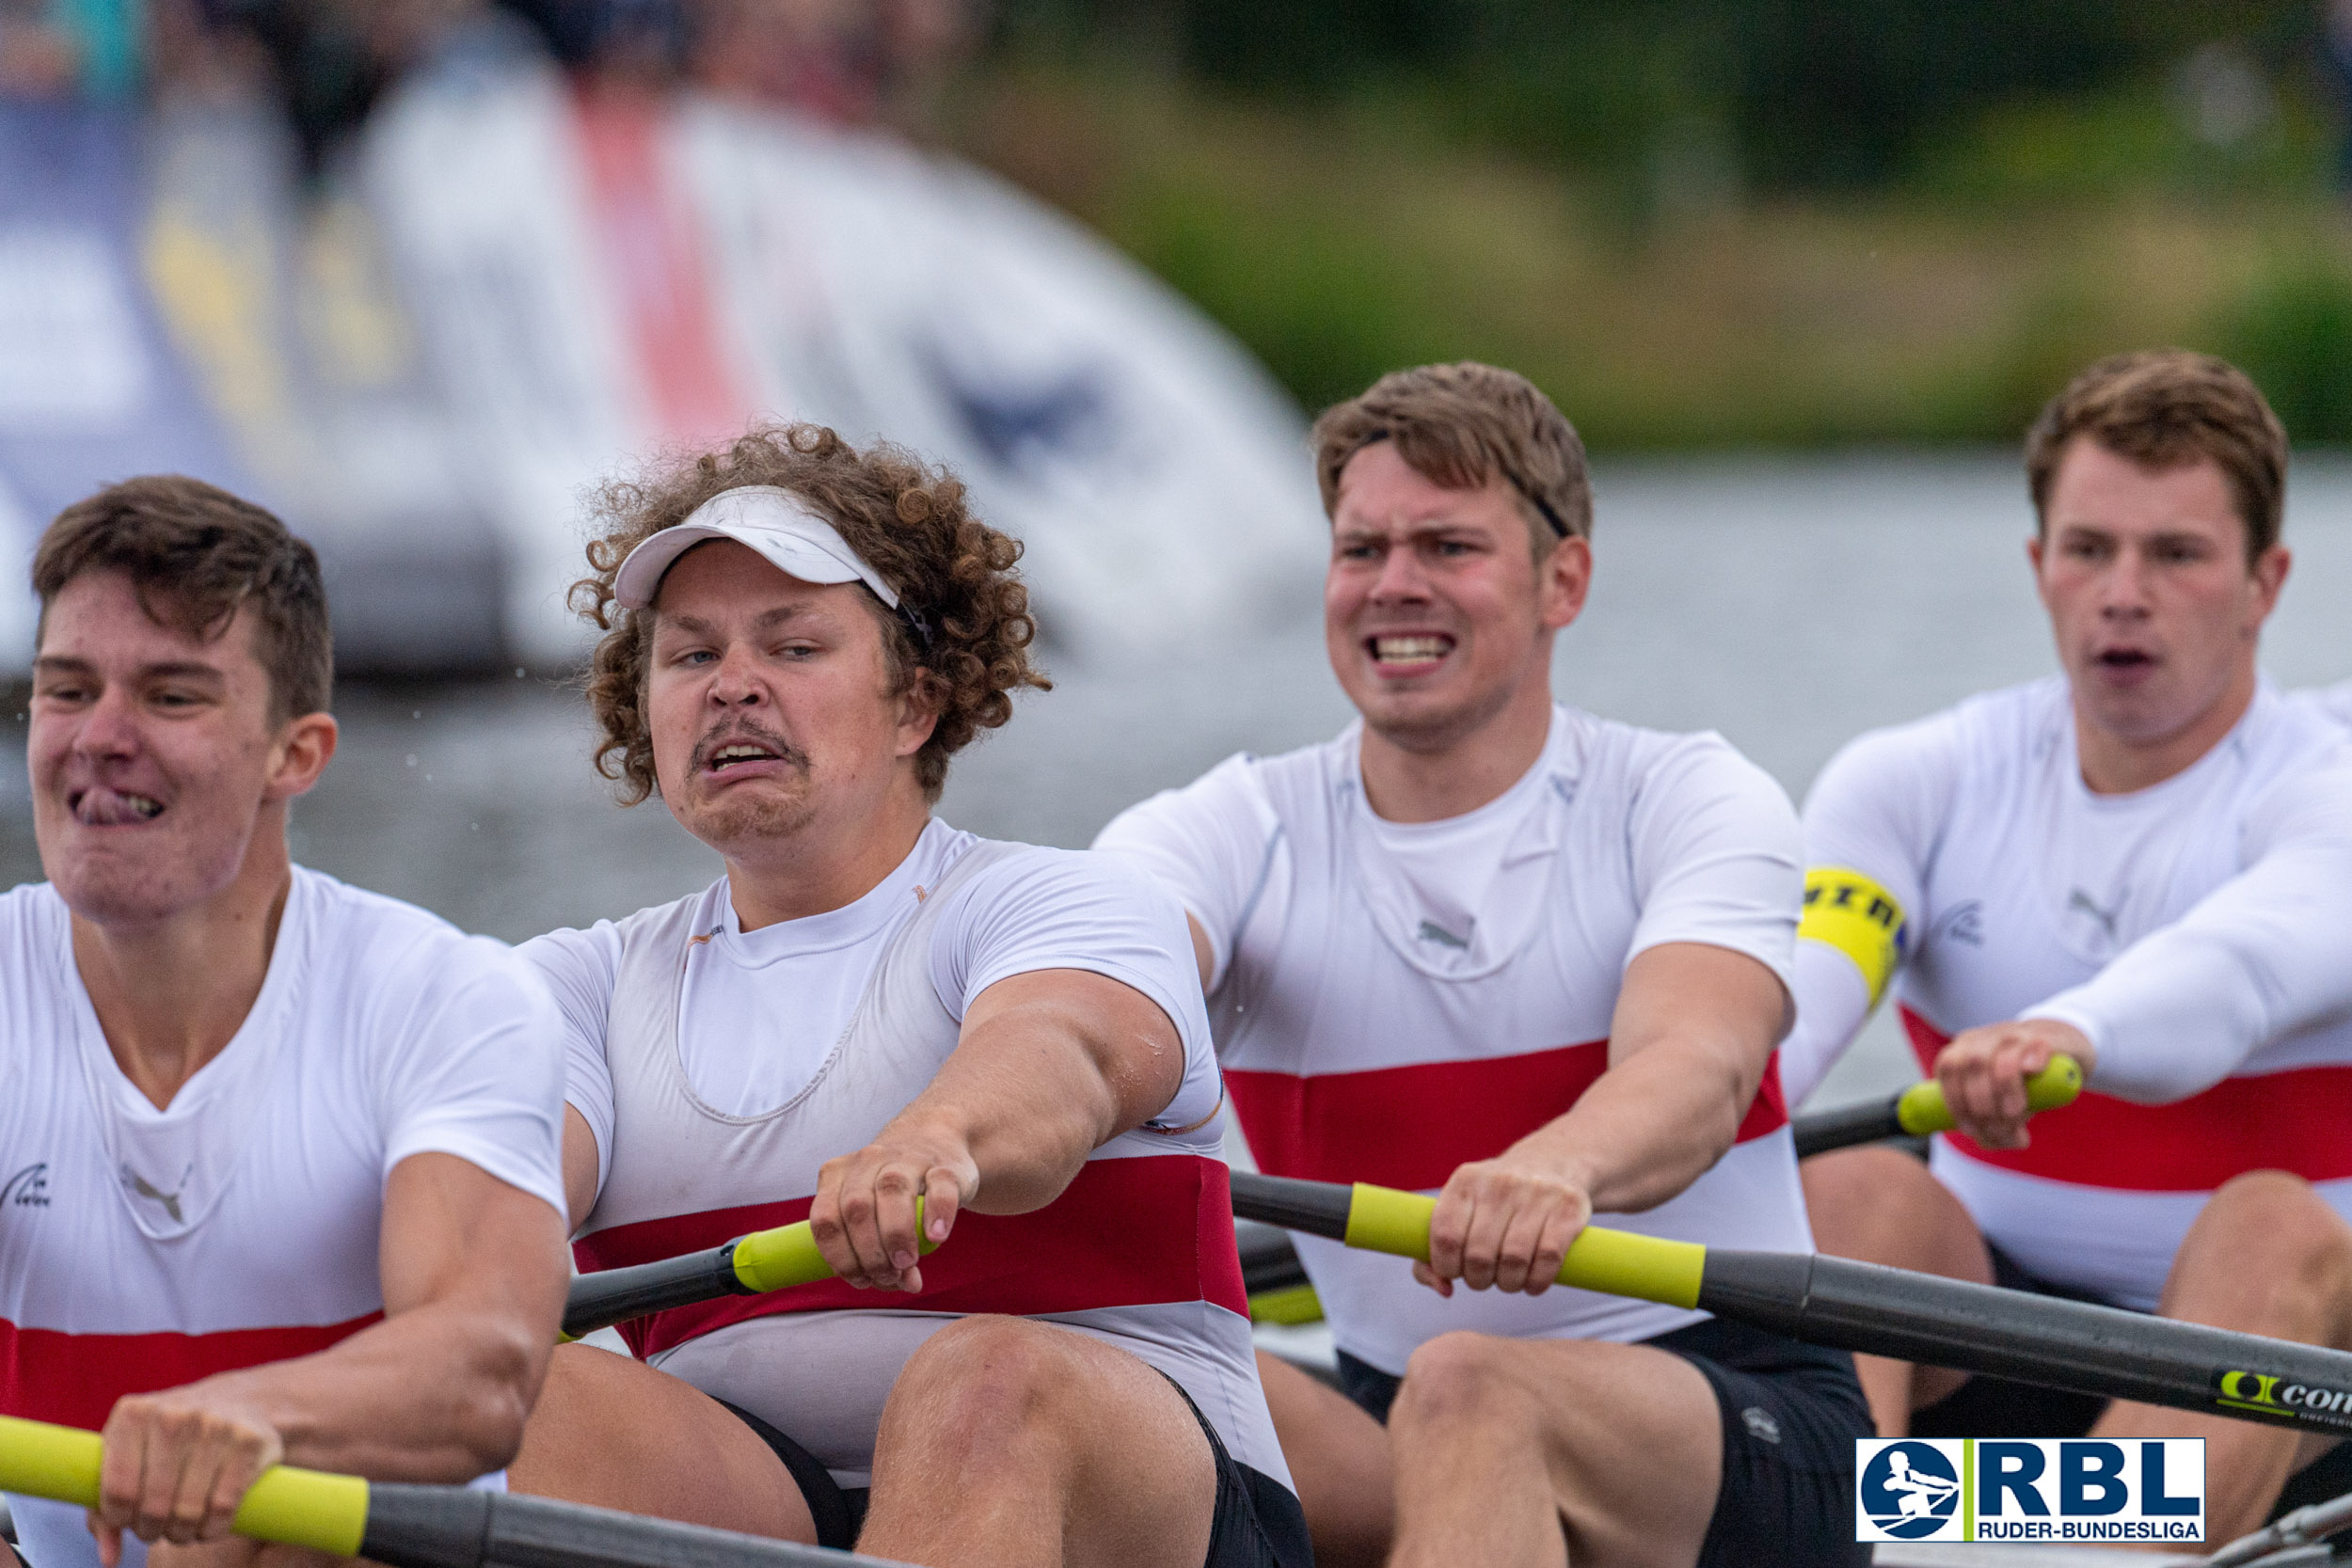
point(296, 1508)
point(1921, 1110)
point(787, 1256)
point(306, 1507)
point(1615, 1262)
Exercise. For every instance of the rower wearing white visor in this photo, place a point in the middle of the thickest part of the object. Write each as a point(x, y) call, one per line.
point(871, 1008)
point(2146, 864)
point(1534, 960)
point(278, 1158)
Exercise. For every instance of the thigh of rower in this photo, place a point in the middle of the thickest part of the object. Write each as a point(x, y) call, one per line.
point(995, 1415)
point(1628, 1437)
point(1339, 1460)
point(612, 1431)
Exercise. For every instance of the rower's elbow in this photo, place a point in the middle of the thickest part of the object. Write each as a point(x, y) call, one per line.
point(508, 1365)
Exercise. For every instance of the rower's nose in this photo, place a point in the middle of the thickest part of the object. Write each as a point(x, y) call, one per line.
point(734, 682)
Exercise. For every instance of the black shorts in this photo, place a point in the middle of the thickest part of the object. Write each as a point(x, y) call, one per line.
point(1988, 1406)
point(1790, 1413)
point(1258, 1522)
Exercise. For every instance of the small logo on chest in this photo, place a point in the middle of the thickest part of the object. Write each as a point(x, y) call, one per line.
point(139, 1186)
point(28, 1189)
point(1963, 923)
point(2079, 899)
point(1432, 931)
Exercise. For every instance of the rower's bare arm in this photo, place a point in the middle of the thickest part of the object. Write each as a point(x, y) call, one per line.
point(1051, 1065)
point(1695, 1027)
point(581, 1163)
point(1202, 952)
point(473, 1276)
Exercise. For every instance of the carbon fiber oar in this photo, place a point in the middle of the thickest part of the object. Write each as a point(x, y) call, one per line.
point(419, 1527)
point(748, 1266)
point(2102, 1350)
point(1919, 1110)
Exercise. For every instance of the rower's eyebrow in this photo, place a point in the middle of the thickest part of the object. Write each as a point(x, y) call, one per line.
point(697, 627)
point(59, 664)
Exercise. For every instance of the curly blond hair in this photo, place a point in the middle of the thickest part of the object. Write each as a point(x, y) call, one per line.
point(911, 523)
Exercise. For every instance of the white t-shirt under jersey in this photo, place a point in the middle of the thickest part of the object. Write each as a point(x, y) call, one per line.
point(1392, 999)
point(2199, 933)
point(144, 1249)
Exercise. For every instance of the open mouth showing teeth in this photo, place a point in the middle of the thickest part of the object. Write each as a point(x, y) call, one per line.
point(1410, 650)
point(727, 757)
point(109, 808)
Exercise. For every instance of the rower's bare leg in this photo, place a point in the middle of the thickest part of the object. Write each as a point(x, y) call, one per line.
point(1882, 1206)
point(1011, 1444)
point(614, 1432)
point(1339, 1460)
point(2267, 1256)
point(1533, 1453)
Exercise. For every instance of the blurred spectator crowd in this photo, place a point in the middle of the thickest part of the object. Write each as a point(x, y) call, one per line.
point(328, 62)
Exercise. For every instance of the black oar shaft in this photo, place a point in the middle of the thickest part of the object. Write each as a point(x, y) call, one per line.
point(616, 1296)
point(432, 1527)
point(2102, 1350)
point(1872, 1121)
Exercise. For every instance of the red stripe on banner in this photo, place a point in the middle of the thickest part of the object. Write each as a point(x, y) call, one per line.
point(74, 1379)
point(653, 257)
point(2298, 1122)
point(1126, 1233)
point(1413, 1127)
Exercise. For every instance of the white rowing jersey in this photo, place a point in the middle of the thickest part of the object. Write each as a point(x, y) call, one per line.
point(2199, 933)
point(2335, 701)
point(720, 1069)
point(1392, 1000)
point(144, 1249)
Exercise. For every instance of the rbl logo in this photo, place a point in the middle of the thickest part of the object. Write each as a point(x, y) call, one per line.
point(2071, 1489)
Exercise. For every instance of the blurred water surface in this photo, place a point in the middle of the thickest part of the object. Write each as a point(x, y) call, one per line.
point(1786, 603)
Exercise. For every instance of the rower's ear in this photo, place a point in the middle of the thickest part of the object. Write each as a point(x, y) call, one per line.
point(919, 707)
point(300, 754)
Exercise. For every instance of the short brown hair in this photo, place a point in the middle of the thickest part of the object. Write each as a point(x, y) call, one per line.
point(1462, 426)
point(910, 523)
point(196, 555)
point(2163, 408)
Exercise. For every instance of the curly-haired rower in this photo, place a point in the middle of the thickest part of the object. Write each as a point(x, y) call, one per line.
point(965, 636)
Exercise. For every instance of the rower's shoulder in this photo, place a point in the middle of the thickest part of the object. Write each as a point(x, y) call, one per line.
point(32, 924)
point(1989, 733)
point(371, 944)
point(1233, 800)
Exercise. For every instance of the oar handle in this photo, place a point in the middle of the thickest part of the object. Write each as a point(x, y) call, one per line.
point(1616, 1262)
point(1921, 1110)
point(290, 1506)
point(750, 1265)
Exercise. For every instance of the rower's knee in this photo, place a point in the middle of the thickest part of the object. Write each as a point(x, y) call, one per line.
point(1883, 1206)
point(986, 1385)
point(1459, 1376)
point(2266, 1253)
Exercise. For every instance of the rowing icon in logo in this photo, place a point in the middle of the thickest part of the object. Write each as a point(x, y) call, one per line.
point(1909, 1490)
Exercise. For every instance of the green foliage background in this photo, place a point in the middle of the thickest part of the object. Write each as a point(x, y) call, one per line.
point(1705, 223)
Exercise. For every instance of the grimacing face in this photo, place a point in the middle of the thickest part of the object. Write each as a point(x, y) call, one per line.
point(1434, 611)
point(768, 701)
point(154, 755)
point(2152, 604)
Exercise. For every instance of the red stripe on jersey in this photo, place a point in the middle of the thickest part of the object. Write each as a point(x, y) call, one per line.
point(1126, 1233)
point(2298, 1122)
point(74, 1379)
point(1413, 1127)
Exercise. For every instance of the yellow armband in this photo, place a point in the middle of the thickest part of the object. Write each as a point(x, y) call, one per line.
point(1861, 919)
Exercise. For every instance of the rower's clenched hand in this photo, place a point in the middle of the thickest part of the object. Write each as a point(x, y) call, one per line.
point(863, 1218)
point(1983, 1075)
point(178, 1462)
point(1506, 1224)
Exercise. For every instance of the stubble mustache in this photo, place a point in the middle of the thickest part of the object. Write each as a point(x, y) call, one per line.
point(740, 734)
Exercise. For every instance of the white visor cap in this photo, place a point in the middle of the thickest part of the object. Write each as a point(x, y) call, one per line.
point(790, 534)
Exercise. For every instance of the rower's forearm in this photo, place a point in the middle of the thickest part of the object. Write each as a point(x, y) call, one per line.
point(1027, 1126)
point(438, 1394)
point(1648, 1128)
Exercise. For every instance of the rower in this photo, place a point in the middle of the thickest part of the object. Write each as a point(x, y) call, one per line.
point(2144, 862)
point(869, 1009)
point(1487, 945)
point(279, 1158)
